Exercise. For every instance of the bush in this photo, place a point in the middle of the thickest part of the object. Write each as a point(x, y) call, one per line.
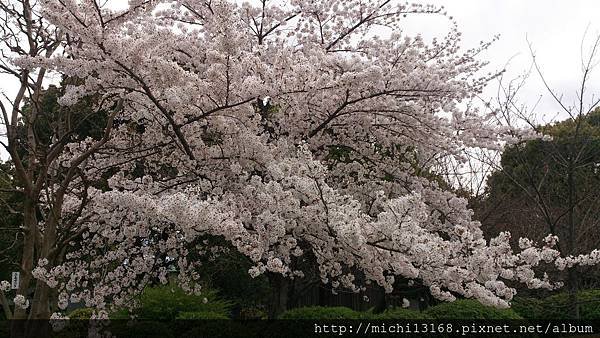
point(319, 312)
point(228, 271)
point(81, 313)
point(120, 314)
point(529, 308)
point(401, 313)
point(207, 315)
point(78, 324)
point(253, 313)
point(469, 309)
point(556, 307)
point(167, 301)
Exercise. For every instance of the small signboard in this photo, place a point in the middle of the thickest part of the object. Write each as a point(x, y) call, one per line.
point(16, 276)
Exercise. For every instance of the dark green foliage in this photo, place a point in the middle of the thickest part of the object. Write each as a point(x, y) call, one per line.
point(78, 323)
point(469, 309)
point(253, 313)
point(401, 313)
point(339, 153)
point(556, 307)
point(528, 307)
point(77, 121)
point(319, 312)
point(551, 187)
point(168, 301)
point(10, 221)
point(205, 315)
point(82, 313)
point(529, 196)
point(178, 310)
point(228, 271)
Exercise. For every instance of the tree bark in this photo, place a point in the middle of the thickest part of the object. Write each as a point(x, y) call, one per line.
point(573, 288)
point(279, 295)
point(572, 279)
point(29, 232)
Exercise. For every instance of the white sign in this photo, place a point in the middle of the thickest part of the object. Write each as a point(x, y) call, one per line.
point(16, 276)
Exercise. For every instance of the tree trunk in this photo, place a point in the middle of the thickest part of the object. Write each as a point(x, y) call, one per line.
point(18, 326)
point(279, 295)
point(573, 287)
point(33, 321)
point(572, 278)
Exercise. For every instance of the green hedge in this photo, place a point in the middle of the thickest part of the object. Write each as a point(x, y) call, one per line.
point(168, 301)
point(320, 312)
point(81, 313)
point(78, 324)
point(530, 308)
point(401, 313)
point(469, 309)
point(253, 313)
point(556, 307)
point(205, 315)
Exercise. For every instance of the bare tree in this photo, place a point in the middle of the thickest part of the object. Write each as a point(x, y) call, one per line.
point(549, 186)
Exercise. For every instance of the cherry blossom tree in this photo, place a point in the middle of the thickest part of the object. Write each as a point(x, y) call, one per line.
point(285, 128)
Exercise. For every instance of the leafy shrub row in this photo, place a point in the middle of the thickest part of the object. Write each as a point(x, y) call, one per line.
point(460, 309)
point(557, 306)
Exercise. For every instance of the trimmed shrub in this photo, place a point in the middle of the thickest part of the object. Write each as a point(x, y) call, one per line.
point(320, 312)
point(78, 324)
point(167, 301)
point(253, 313)
point(401, 313)
point(469, 309)
point(529, 308)
point(206, 315)
point(81, 313)
point(120, 314)
point(556, 306)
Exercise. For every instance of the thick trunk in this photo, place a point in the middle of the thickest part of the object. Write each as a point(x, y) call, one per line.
point(32, 322)
point(279, 295)
point(40, 309)
point(573, 287)
point(572, 278)
point(29, 234)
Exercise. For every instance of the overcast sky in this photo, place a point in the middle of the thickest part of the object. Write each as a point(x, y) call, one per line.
point(555, 28)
